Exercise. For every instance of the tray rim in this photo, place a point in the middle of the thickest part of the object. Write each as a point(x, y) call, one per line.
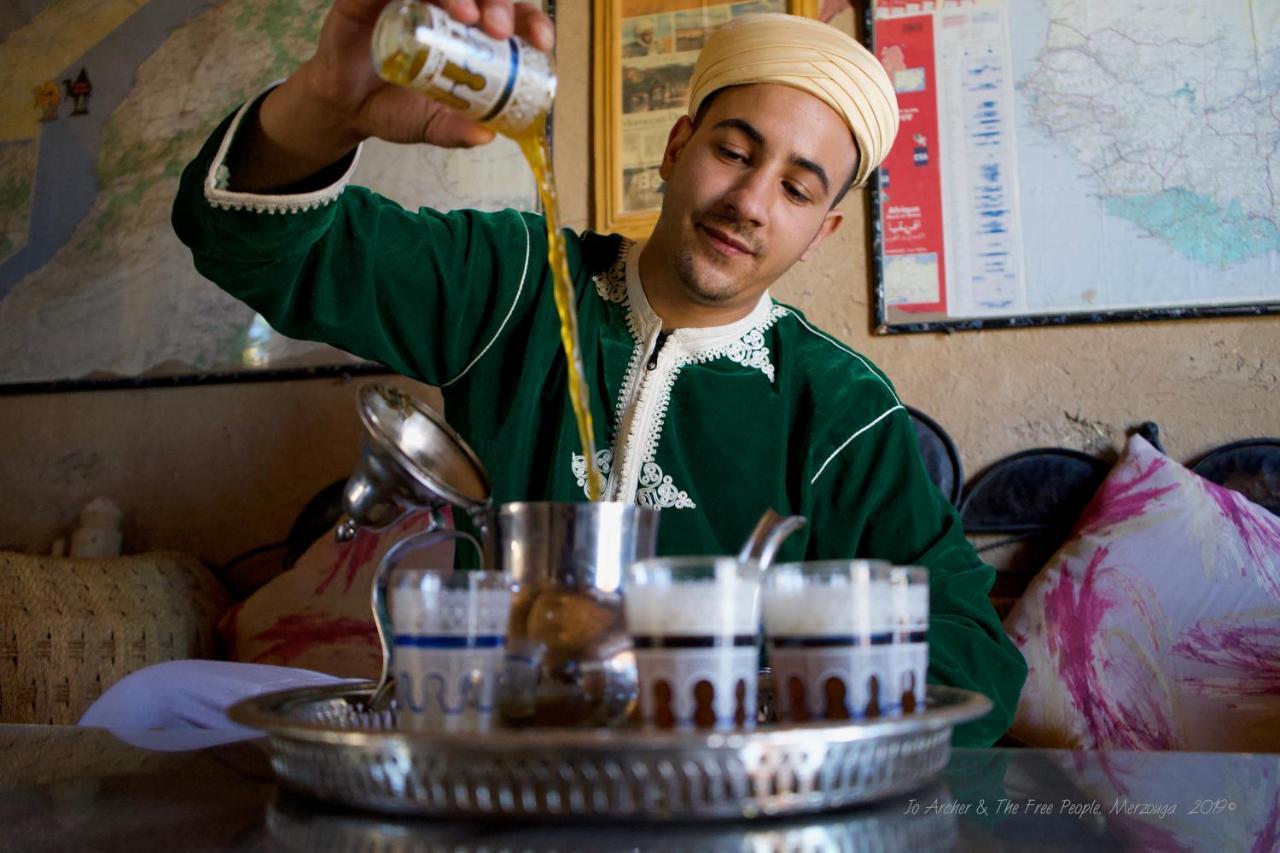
point(946, 707)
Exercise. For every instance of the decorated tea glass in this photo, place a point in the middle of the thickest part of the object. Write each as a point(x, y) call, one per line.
point(695, 625)
point(449, 645)
point(846, 638)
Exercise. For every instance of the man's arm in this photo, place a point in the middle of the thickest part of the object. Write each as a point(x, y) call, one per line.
point(335, 100)
point(424, 292)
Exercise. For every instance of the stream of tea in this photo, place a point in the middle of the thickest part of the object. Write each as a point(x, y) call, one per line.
point(403, 69)
point(537, 151)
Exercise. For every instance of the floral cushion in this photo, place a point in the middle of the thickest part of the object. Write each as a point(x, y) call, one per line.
point(317, 614)
point(1157, 625)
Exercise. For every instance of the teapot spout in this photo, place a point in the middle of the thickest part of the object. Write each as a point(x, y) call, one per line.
point(767, 537)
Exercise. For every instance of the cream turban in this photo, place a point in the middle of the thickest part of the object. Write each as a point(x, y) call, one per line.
point(813, 57)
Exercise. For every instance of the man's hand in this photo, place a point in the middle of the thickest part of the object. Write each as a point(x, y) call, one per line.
point(335, 100)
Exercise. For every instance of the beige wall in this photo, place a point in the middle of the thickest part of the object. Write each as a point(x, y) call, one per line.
point(214, 471)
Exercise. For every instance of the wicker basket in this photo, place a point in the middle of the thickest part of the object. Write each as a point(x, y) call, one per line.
point(70, 628)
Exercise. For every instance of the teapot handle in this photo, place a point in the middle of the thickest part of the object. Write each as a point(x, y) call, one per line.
point(766, 538)
point(435, 533)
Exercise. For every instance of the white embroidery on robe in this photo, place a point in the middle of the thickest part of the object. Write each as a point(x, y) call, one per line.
point(612, 283)
point(604, 461)
point(217, 181)
point(656, 490)
point(748, 350)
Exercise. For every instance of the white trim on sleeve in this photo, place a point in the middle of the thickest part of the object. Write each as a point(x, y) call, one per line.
point(514, 302)
point(219, 177)
point(883, 415)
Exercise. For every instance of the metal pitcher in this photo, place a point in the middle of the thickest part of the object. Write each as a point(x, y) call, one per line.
point(569, 657)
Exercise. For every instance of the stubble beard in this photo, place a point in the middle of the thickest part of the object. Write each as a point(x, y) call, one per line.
point(695, 285)
point(708, 286)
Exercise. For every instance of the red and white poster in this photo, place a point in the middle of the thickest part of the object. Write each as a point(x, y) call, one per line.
point(910, 179)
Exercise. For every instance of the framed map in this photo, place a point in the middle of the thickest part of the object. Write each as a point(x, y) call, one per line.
point(1077, 161)
point(103, 103)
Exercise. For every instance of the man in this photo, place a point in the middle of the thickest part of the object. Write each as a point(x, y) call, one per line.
point(710, 400)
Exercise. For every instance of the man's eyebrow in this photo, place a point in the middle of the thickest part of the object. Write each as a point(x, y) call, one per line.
point(817, 170)
point(749, 130)
point(745, 127)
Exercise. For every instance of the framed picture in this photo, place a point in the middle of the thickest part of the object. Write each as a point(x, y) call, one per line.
point(1078, 165)
point(644, 56)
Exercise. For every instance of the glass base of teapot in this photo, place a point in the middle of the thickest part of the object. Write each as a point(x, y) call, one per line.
point(539, 690)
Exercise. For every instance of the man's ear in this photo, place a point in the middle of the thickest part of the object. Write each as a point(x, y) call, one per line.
point(676, 140)
point(828, 227)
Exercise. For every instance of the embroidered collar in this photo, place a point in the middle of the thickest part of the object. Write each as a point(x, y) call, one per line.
point(695, 343)
point(633, 470)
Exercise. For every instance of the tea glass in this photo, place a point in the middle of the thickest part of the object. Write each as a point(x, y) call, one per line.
point(846, 639)
point(695, 626)
point(449, 642)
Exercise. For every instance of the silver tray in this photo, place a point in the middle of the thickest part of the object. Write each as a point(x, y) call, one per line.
point(323, 744)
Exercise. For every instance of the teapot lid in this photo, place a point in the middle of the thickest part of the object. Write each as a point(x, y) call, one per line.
point(424, 447)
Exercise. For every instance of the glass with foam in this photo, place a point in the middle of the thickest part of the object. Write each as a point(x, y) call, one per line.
point(846, 638)
point(695, 625)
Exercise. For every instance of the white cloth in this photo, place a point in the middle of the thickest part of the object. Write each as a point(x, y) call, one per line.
point(191, 694)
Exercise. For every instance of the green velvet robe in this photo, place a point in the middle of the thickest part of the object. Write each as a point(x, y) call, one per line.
point(716, 426)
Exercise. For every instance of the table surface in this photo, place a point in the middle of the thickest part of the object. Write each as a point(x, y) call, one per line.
point(65, 788)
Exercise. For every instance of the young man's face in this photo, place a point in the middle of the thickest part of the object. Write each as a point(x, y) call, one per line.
point(749, 190)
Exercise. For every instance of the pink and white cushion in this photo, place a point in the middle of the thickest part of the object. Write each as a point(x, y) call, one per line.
point(317, 615)
point(1157, 624)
